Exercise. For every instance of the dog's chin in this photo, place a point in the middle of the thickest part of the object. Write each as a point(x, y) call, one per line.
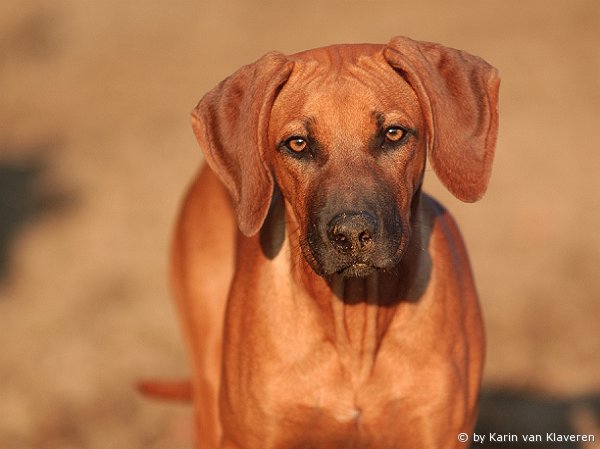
point(329, 264)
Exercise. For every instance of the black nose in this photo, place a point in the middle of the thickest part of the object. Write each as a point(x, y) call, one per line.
point(352, 232)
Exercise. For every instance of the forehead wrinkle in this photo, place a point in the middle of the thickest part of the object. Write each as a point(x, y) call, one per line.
point(339, 97)
point(341, 116)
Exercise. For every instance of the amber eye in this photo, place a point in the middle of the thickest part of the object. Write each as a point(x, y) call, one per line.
point(394, 134)
point(296, 144)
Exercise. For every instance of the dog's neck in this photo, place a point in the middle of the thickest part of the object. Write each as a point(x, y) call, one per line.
point(358, 323)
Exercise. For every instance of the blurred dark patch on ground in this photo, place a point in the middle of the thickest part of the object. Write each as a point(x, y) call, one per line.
point(33, 37)
point(506, 411)
point(26, 197)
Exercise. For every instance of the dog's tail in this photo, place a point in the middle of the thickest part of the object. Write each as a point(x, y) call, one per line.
point(168, 390)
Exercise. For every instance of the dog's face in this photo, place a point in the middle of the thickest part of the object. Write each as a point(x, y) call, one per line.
point(343, 131)
point(348, 153)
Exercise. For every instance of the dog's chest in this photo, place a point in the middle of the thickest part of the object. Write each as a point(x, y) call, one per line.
point(341, 422)
point(322, 408)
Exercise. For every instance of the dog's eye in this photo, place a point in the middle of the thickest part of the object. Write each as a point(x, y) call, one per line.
point(394, 134)
point(296, 144)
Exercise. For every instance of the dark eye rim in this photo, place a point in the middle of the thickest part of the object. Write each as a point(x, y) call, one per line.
point(395, 128)
point(284, 145)
point(407, 133)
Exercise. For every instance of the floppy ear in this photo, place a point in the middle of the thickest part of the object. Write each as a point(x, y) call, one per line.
point(458, 94)
point(231, 124)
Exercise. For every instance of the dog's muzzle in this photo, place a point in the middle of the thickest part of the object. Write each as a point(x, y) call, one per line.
point(354, 243)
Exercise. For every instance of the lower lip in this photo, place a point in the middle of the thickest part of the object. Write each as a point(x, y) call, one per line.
point(357, 270)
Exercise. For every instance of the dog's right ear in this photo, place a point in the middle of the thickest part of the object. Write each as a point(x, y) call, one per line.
point(231, 124)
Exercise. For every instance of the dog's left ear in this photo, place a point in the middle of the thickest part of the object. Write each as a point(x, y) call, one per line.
point(458, 94)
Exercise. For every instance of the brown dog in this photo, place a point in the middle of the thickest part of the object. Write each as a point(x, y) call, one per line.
point(343, 312)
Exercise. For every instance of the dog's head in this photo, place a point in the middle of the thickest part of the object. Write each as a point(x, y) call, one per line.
point(344, 130)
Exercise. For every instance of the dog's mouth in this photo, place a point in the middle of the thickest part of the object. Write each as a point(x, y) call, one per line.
point(357, 270)
point(349, 268)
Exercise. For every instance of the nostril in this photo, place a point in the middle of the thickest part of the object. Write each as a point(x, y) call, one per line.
point(340, 239)
point(364, 239)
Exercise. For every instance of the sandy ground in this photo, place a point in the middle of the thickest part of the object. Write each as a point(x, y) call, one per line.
point(96, 150)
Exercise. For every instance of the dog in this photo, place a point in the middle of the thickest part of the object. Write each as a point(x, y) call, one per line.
point(327, 302)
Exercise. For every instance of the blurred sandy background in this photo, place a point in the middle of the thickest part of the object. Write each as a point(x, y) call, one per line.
point(96, 150)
